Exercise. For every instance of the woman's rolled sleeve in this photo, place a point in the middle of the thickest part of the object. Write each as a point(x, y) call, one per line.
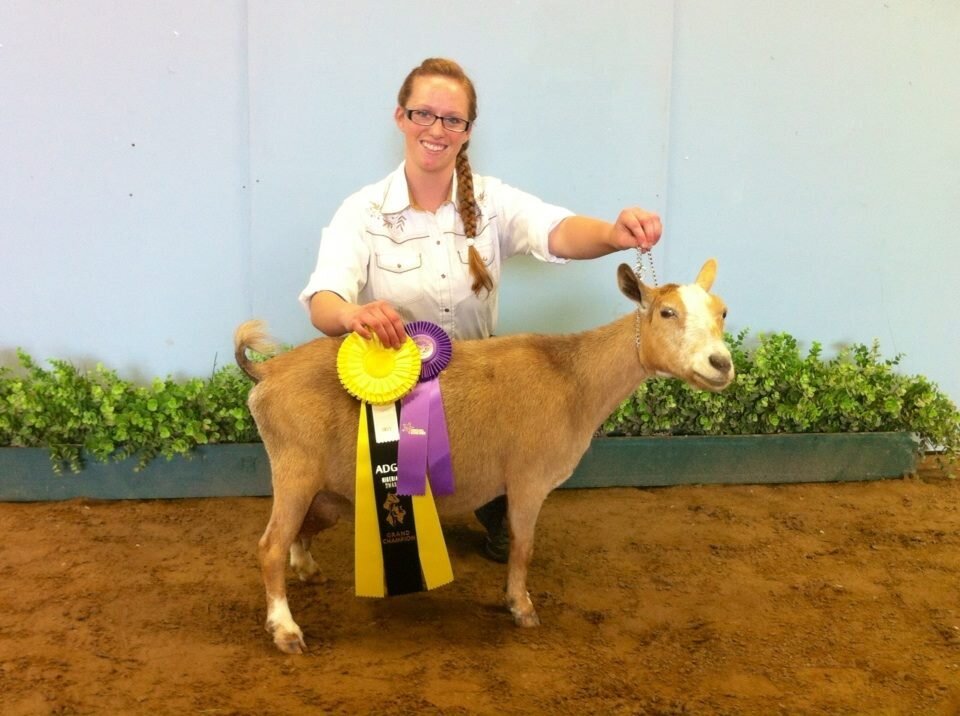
point(342, 258)
point(526, 222)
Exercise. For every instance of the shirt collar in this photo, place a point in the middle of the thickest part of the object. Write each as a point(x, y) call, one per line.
point(397, 197)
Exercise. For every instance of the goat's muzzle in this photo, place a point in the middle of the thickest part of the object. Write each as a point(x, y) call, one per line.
point(720, 377)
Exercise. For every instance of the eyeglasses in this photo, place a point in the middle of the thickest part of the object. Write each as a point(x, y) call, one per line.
point(426, 119)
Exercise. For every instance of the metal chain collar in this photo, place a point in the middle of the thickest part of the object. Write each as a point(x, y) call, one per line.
point(641, 268)
point(639, 271)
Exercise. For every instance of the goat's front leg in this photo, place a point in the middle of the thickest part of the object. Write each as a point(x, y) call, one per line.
point(522, 518)
point(285, 520)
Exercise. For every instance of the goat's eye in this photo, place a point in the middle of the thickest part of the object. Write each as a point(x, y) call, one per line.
point(667, 313)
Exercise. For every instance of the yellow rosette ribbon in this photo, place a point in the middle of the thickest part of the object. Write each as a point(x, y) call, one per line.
point(374, 373)
point(398, 544)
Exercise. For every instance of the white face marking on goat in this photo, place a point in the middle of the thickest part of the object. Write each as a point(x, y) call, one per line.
point(700, 326)
point(703, 337)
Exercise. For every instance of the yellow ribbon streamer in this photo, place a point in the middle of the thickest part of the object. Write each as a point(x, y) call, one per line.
point(431, 546)
point(369, 579)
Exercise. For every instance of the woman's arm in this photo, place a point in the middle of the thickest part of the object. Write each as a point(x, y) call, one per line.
point(334, 316)
point(580, 237)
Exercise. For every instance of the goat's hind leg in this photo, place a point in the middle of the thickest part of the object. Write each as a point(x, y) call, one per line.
point(522, 518)
point(301, 559)
point(286, 518)
point(323, 513)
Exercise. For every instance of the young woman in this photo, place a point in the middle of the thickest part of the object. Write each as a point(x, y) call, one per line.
point(426, 243)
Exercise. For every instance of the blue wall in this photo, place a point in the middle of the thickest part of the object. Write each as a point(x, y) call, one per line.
point(167, 167)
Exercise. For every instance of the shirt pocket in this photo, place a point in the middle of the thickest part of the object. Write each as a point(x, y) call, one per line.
point(484, 248)
point(398, 278)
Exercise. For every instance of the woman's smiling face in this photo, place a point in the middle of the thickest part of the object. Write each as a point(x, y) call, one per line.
point(434, 149)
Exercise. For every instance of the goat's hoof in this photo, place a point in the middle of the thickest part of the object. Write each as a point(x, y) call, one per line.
point(308, 576)
point(306, 569)
point(290, 643)
point(288, 640)
point(525, 619)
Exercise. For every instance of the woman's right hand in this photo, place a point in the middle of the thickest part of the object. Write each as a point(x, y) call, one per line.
point(334, 316)
point(376, 317)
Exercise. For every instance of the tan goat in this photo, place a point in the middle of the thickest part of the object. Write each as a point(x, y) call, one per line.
point(521, 411)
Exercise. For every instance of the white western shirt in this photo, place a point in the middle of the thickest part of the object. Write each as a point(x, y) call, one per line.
point(378, 247)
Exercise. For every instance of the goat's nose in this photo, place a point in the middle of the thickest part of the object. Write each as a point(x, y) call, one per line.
point(720, 362)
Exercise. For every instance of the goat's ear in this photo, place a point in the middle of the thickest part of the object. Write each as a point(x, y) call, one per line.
point(632, 287)
point(707, 274)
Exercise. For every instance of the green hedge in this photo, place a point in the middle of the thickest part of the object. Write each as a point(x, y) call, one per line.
point(780, 390)
point(777, 390)
point(71, 411)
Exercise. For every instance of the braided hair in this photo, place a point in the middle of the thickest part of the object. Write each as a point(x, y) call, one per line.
point(467, 205)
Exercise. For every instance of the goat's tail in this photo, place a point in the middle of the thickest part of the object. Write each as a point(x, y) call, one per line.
point(252, 335)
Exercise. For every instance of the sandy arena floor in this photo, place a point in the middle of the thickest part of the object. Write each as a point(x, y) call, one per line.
point(804, 599)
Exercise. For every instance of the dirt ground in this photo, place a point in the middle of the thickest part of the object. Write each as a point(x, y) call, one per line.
point(801, 599)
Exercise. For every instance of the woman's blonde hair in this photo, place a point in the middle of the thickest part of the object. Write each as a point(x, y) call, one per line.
point(467, 205)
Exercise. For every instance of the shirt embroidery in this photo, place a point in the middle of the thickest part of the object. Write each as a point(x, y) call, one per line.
point(394, 223)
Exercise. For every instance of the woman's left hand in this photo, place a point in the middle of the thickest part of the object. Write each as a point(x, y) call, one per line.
point(636, 227)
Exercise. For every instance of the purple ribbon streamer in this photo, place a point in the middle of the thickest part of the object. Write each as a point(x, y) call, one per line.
point(424, 443)
point(439, 465)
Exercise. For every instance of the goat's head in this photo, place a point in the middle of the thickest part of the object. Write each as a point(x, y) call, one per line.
point(681, 328)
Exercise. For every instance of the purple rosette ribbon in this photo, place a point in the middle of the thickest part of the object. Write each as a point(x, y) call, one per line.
point(424, 447)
